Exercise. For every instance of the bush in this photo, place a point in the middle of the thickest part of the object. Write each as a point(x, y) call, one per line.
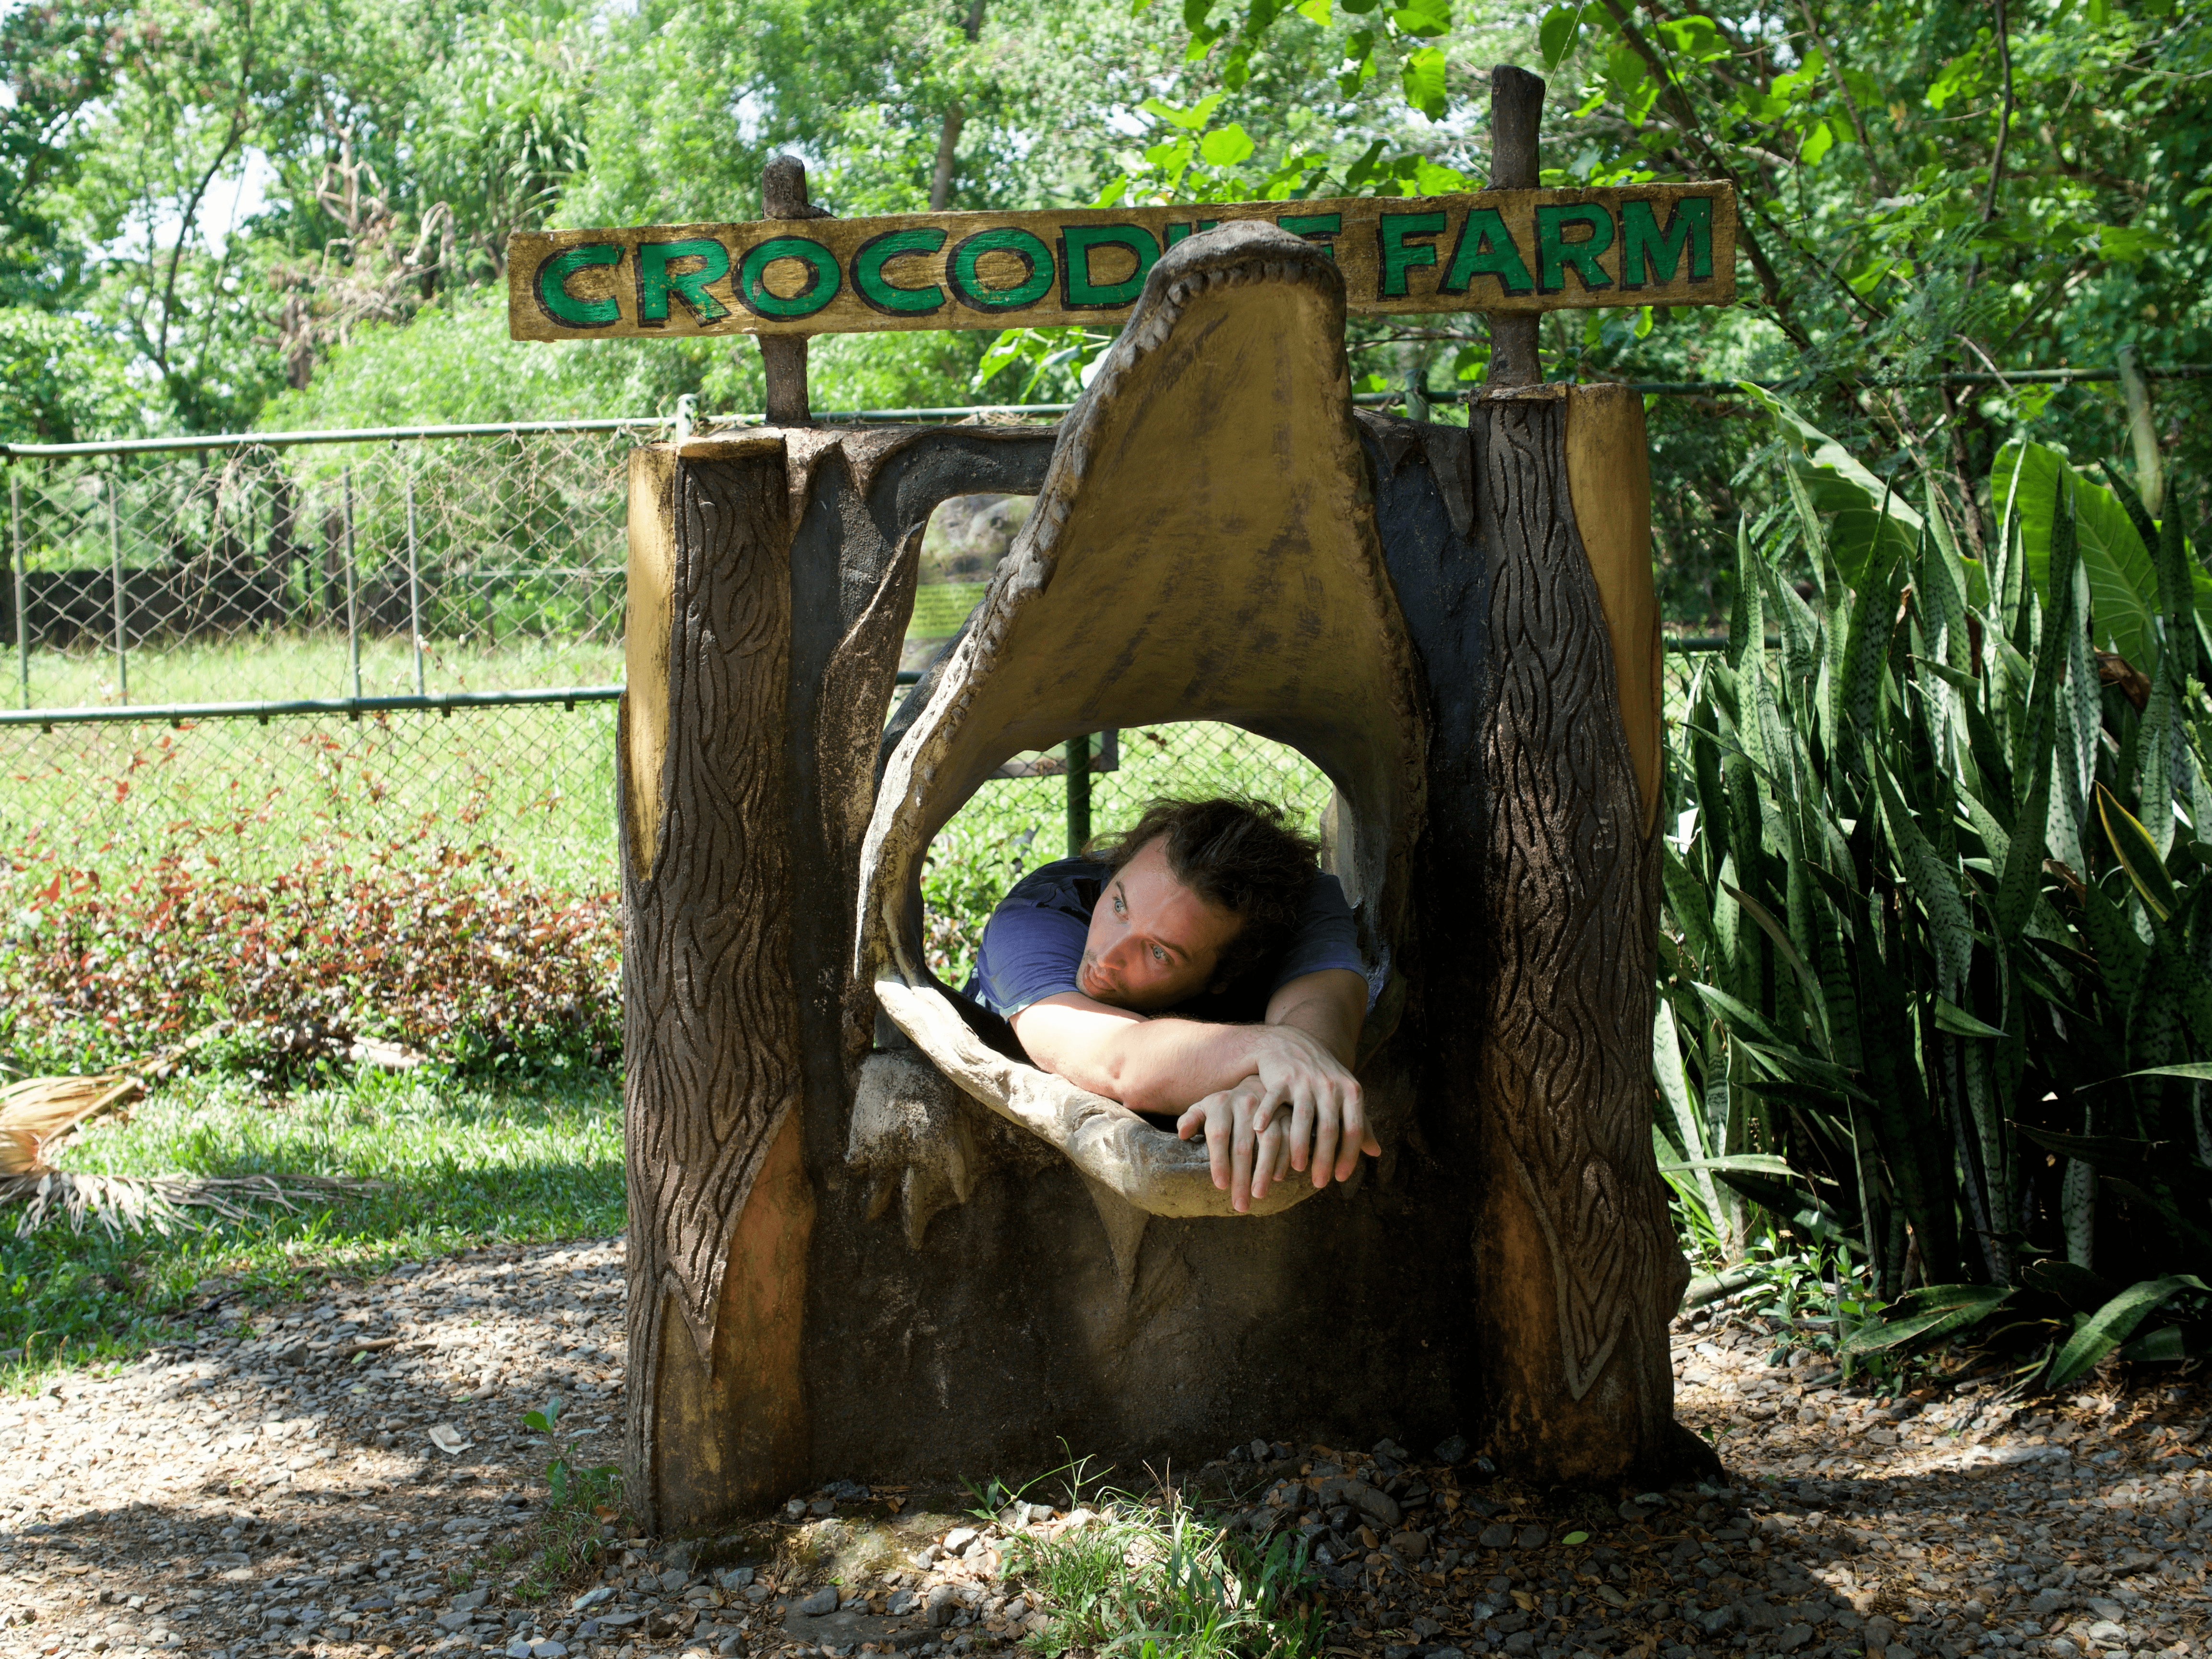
point(437, 947)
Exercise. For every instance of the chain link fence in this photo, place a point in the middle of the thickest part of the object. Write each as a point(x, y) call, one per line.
point(257, 652)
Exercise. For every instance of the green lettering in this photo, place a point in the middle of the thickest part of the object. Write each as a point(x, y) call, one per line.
point(1554, 253)
point(821, 287)
point(1077, 243)
point(967, 283)
point(1176, 233)
point(878, 290)
point(1485, 249)
point(1650, 255)
point(656, 282)
point(564, 308)
point(1400, 257)
point(1318, 228)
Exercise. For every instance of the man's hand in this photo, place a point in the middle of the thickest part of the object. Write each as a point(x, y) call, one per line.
point(1300, 1108)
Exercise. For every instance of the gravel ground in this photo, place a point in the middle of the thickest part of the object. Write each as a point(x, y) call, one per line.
point(350, 1479)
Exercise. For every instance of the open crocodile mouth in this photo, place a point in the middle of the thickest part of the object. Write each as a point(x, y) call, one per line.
point(1204, 548)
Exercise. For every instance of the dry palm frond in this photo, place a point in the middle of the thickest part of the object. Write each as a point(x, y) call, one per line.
point(37, 1114)
point(123, 1204)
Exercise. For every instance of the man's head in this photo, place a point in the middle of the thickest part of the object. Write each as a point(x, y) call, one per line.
point(1201, 892)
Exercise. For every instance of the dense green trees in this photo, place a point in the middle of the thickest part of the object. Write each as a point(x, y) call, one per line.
point(221, 211)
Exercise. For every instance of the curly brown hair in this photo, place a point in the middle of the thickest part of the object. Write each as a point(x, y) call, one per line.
point(1239, 855)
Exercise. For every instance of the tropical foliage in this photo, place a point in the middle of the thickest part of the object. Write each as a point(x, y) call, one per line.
point(1938, 906)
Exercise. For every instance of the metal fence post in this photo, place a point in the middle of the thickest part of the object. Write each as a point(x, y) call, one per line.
point(1079, 794)
point(353, 619)
point(115, 586)
point(414, 577)
point(16, 548)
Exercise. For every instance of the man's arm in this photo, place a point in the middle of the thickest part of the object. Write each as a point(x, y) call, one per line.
point(1270, 1097)
point(1161, 1064)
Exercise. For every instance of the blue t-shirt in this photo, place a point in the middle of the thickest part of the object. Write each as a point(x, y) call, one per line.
point(1033, 946)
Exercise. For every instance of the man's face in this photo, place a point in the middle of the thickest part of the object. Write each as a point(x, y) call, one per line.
point(1153, 943)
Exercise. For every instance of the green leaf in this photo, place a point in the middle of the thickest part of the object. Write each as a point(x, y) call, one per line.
point(1425, 18)
point(2170, 1343)
point(1958, 1023)
point(1424, 77)
point(1576, 1537)
point(1931, 883)
point(1190, 120)
point(2198, 1071)
point(1559, 33)
point(1224, 147)
point(1738, 1163)
point(2110, 1326)
point(2137, 853)
point(1944, 1308)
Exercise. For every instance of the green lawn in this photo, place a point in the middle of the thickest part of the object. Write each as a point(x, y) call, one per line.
point(459, 1166)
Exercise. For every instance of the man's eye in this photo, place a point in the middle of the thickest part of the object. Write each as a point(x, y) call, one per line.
point(1118, 906)
point(1158, 955)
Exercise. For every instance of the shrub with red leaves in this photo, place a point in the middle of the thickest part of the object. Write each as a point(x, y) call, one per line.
point(445, 949)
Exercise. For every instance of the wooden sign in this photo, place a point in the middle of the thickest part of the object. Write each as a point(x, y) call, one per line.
point(1499, 251)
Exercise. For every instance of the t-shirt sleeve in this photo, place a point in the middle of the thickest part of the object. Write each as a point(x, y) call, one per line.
point(1029, 953)
point(1327, 936)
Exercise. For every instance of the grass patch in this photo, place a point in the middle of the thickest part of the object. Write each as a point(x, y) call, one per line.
point(462, 1164)
point(1151, 1578)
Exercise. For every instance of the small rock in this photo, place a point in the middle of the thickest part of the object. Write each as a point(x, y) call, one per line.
point(1790, 1637)
point(2059, 1647)
point(549, 1648)
point(1532, 1538)
point(1633, 1512)
point(823, 1601)
point(673, 1580)
point(592, 1597)
point(1410, 1546)
point(2048, 1601)
point(470, 1602)
point(1380, 1504)
point(959, 1539)
point(1495, 1536)
point(1258, 1449)
point(453, 1621)
point(901, 1604)
point(736, 1578)
point(821, 1506)
point(1716, 1620)
point(1453, 1450)
point(943, 1602)
point(795, 1510)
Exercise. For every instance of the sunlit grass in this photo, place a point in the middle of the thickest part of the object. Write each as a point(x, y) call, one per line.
point(457, 1166)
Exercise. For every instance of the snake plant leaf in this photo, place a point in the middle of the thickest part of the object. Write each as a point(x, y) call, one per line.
point(1691, 903)
point(1866, 657)
point(2111, 1324)
point(1948, 929)
point(1674, 1090)
point(2079, 1288)
point(1949, 1017)
point(2199, 1071)
point(2137, 853)
point(1736, 1015)
point(2170, 1343)
point(1738, 1163)
point(1774, 930)
point(1942, 1309)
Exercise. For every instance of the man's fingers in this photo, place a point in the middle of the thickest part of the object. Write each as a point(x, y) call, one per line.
point(1240, 1165)
point(1301, 1132)
point(1357, 1137)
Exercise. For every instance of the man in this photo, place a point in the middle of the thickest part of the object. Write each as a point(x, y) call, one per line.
point(1204, 966)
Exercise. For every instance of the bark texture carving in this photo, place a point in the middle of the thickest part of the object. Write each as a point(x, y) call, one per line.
point(1570, 896)
point(710, 1016)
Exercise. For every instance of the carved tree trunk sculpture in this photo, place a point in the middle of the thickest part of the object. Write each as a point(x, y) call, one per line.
point(1506, 1271)
point(1577, 1270)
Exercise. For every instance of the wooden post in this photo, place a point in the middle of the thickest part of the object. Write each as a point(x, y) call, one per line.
point(783, 196)
point(1517, 112)
point(1577, 1272)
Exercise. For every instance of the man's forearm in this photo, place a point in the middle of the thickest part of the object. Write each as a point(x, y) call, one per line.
point(1165, 1064)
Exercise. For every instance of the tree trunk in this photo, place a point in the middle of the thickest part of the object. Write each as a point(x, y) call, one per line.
point(1576, 1268)
point(710, 1033)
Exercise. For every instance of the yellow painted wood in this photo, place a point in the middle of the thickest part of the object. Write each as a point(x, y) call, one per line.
point(1493, 250)
point(1609, 481)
